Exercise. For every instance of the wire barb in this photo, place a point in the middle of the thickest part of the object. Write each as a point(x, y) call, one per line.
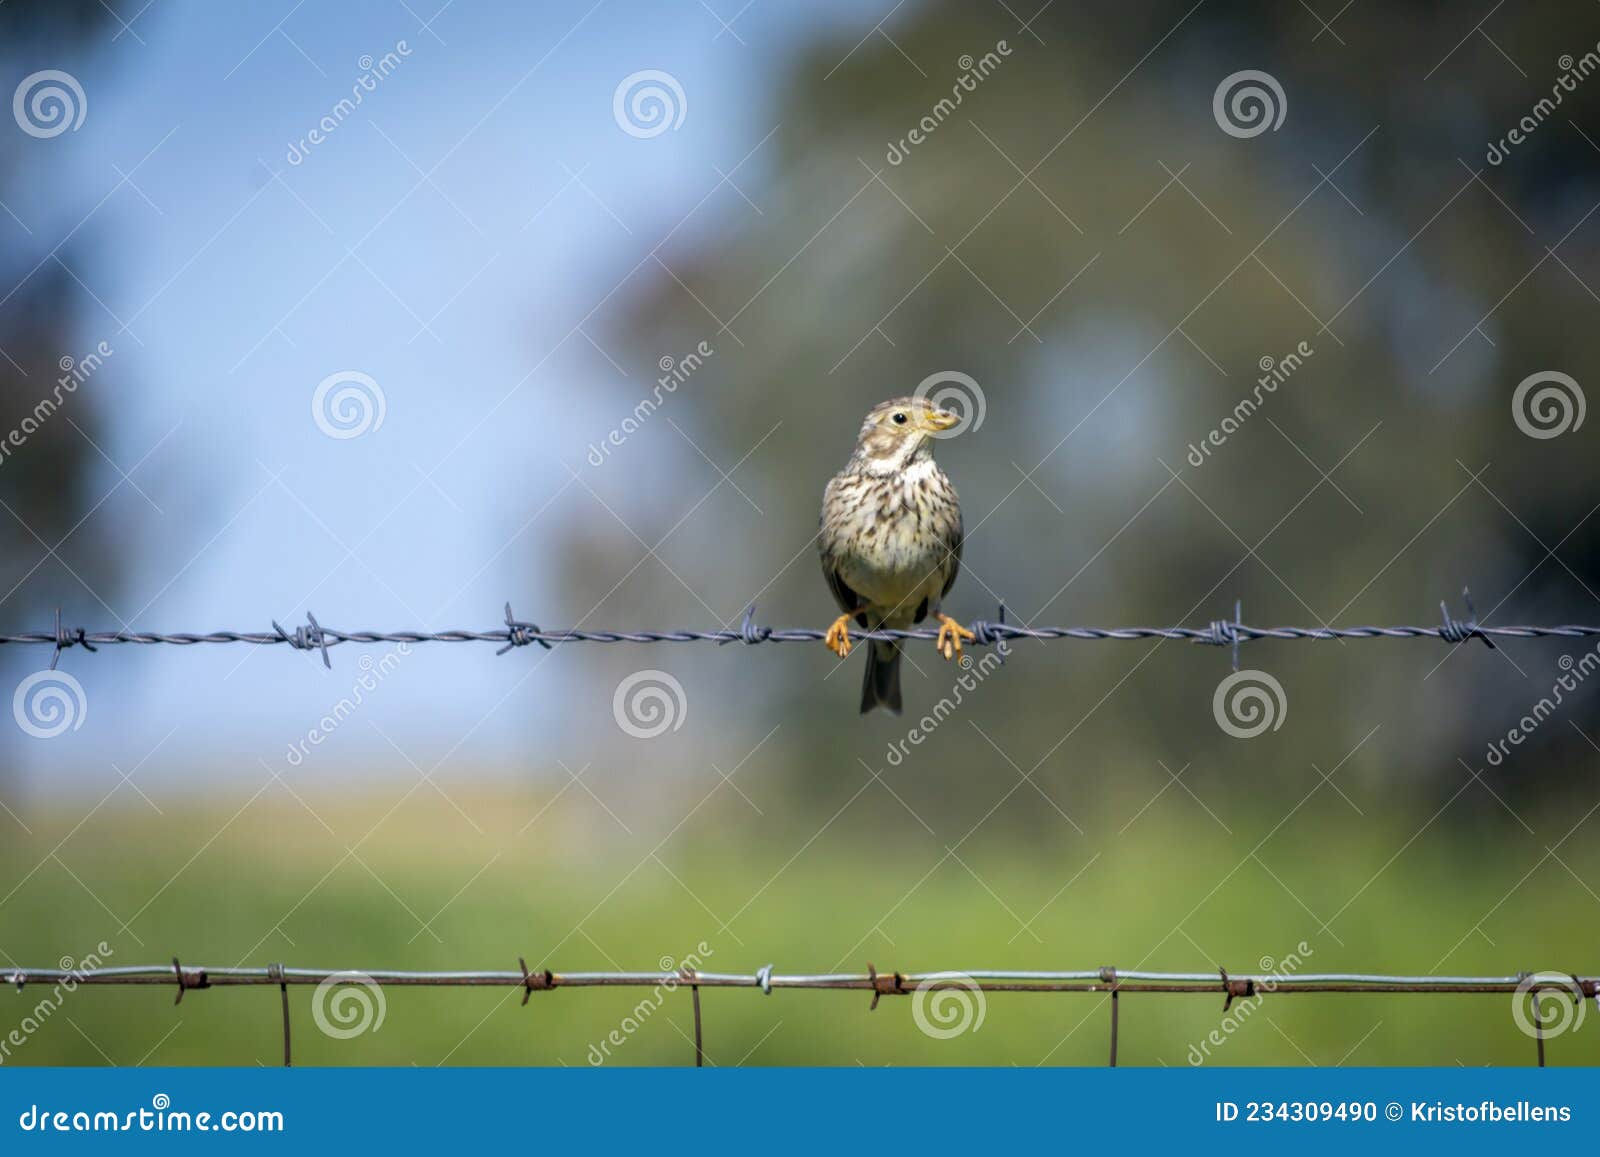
point(194, 978)
point(307, 638)
point(520, 634)
point(1235, 988)
point(64, 638)
point(985, 633)
point(891, 985)
point(1226, 633)
point(536, 981)
point(1452, 631)
point(750, 632)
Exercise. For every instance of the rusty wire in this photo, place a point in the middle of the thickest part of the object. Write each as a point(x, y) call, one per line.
point(514, 632)
point(1111, 982)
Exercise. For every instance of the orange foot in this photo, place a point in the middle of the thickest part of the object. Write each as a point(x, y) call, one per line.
point(838, 636)
point(951, 633)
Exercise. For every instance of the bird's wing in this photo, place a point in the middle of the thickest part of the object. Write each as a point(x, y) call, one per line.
point(849, 601)
point(952, 544)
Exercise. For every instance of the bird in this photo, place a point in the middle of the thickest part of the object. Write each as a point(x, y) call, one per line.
point(890, 540)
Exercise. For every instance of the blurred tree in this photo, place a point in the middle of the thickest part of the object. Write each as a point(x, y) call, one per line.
point(1080, 236)
point(47, 458)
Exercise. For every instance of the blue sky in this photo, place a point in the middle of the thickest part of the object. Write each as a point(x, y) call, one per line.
point(448, 239)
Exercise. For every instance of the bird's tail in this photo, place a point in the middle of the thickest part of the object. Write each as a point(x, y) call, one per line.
point(880, 686)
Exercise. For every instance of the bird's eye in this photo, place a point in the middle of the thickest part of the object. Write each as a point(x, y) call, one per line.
point(899, 419)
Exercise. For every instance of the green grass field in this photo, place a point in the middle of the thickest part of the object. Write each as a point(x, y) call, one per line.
point(367, 883)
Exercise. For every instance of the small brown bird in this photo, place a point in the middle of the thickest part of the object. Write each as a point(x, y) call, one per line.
point(891, 540)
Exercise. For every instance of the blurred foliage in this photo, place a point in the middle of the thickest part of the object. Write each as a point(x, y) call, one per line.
point(1089, 155)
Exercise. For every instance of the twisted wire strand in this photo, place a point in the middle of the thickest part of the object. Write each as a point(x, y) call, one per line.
point(1529, 986)
point(190, 977)
point(514, 633)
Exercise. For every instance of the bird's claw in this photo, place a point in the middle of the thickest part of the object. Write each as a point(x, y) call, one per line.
point(837, 639)
point(951, 633)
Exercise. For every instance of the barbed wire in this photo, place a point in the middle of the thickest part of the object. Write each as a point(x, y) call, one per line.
point(514, 633)
point(1107, 981)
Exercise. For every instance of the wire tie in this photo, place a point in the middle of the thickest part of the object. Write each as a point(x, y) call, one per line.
point(699, 1035)
point(764, 979)
point(21, 978)
point(1108, 975)
point(517, 633)
point(276, 972)
point(1533, 1007)
point(535, 981)
point(186, 981)
point(1453, 631)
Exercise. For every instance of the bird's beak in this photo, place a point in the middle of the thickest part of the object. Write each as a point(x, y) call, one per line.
point(943, 420)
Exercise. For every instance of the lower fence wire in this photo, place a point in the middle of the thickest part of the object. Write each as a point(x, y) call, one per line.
point(1105, 981)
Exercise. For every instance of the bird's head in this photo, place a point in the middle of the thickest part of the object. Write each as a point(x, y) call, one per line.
point(899, 432)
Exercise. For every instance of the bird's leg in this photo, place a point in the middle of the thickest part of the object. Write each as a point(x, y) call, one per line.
point(951, 633)
point(838, 636)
